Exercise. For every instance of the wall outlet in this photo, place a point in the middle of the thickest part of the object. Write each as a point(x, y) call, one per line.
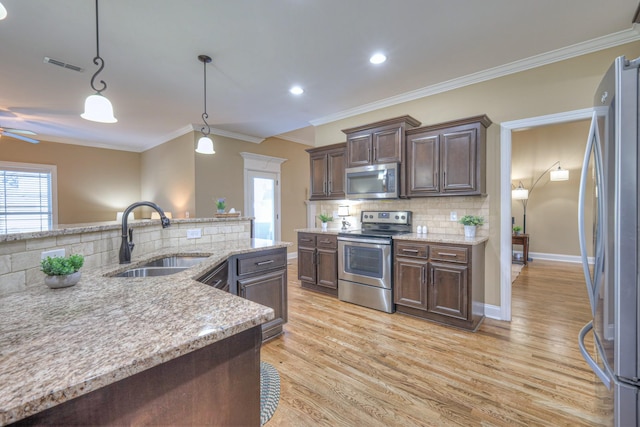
point(194, 233)
point(453, 216)
point(54, 253)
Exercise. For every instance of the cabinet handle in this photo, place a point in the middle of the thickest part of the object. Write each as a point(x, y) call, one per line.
point(329, 188)
point(325, 241)
point(374, 154)
point(413, 251)
point(447, 254)
point(265, 262)
point(444, 178)
point(306, 240)
point(324, 188)
point(433, 276)
point(423, 276)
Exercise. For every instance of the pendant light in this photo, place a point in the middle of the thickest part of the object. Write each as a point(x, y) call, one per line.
point(3, 12)
point(205, 144)
point(97, 107)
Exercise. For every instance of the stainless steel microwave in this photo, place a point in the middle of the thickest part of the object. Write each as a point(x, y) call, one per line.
point(373, 181)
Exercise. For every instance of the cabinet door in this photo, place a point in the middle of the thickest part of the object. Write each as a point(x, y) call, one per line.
point(448, 290)
point(335, 172)
point(359, 149)
point(306, 264)
point(410, 287)
point(459, 160)
point(387, 145)
point(327, 268)
point(268, 289)
point(318, 169)
point(423, 158)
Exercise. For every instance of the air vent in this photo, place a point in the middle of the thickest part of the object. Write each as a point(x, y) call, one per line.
point(48, 60)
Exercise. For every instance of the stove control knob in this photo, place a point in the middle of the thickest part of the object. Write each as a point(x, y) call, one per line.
point(403, 217)
point(397, 217)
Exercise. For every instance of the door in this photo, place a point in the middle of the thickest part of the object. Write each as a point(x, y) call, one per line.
point(264, 204)
point(410, 287)
point(423, 158)
point(448, 293)
point(459, 160)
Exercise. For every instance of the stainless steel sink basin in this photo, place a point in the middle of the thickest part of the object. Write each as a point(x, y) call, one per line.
point(150, 271)
point(184, 261)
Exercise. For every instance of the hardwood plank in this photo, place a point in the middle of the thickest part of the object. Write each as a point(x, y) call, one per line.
point(345, 365)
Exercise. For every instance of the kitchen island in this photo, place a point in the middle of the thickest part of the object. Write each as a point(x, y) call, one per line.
point(152, 350)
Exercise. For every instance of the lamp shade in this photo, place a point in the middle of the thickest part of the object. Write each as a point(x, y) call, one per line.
point(520, 193)
point(559, 174)
point(3, 12)
point(205, 146)
point(98, 108)
point(343, 210)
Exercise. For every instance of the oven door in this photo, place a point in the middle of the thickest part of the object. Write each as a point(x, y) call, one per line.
point(366, 261)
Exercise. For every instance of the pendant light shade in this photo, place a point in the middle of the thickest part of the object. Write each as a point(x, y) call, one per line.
point(3, 12)
point(559, 174)
point(97, 107)
point(205, 144)
point(520, 193)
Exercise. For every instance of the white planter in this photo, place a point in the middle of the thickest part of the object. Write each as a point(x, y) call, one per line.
point(469, 231)
point(324, 226)
point(55, 282)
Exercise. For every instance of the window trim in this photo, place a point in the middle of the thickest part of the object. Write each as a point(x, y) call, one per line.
point(39, 168)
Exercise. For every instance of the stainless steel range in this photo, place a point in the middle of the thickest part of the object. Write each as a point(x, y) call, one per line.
point(365, 259)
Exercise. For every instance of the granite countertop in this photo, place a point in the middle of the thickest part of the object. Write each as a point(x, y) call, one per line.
point(57, 344)
point(65, 229)
point(443, 238)
point(331, 231)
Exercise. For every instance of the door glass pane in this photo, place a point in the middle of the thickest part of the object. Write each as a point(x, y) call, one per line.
point(364, 261)
point(264, 208)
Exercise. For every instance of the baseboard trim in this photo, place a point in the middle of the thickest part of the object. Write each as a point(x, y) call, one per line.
point(292, 255)
point(493, 311)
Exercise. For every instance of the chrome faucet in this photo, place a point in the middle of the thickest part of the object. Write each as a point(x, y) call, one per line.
point(127, 234)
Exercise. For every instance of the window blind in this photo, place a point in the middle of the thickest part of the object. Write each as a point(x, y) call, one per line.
point(26, 202)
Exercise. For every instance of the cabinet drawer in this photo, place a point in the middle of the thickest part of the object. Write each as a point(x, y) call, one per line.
point(327, 242)
point(218, 277)
point(263, 262)
point(412, 249)
point(307, 240)
point(449, 254)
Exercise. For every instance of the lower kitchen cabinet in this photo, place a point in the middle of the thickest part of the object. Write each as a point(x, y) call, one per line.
point(261, 277)
point(318, 262)
point(440, 282)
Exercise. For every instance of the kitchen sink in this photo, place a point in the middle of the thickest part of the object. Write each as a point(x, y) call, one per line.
point(184, 261)
point(163, 266)
point(150, 271)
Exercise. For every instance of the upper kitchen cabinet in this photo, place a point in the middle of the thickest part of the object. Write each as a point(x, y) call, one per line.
point(327, 172)
point(447, 159)
point(379, 142)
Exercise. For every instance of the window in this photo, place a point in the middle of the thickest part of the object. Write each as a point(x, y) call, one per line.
point(27, 197)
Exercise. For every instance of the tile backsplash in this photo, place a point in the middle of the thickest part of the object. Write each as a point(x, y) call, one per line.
point(434, 212)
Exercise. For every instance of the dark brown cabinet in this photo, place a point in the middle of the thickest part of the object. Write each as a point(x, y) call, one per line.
point(327, 166)
point(318, 262)
point(378, 143)
point(443, 283)
point(447, 159)
point(261, 277)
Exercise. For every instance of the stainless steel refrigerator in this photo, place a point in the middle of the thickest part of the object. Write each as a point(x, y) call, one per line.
point(608, 222)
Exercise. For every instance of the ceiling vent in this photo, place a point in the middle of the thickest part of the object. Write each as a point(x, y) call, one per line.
point(48, 60)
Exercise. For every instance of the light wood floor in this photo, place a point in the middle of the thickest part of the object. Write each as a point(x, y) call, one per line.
point(345, 365)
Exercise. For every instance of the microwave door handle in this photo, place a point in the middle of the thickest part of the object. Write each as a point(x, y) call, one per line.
point(384, 181)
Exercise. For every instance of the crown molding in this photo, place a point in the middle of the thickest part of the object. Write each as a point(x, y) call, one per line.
point(590, 46)
point(229, 134)
point(296, 140)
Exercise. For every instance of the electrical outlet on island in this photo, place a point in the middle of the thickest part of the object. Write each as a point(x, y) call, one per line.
point(194, 233)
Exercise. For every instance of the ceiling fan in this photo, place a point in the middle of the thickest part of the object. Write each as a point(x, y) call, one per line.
point(18, 134)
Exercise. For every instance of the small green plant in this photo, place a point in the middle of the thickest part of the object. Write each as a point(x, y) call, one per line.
point(61, 266)
point(471, 220)
point(325, 217)
point(221, 203)
point(517, 229)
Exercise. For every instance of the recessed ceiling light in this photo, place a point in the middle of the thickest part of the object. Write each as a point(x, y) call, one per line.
point(377, 58)
point(296, 90)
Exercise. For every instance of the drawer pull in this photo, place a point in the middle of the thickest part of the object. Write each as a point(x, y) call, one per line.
point(306, 240)
point(265, 262)
point(413, 251)
point(325, 241)
point(447, 254)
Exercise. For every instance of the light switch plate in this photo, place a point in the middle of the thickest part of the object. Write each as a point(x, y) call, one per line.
point(52, 253)
point(194, 233)
point(453, 216)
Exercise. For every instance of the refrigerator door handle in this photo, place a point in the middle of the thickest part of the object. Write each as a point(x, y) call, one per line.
point(606, 380)
point(593, 145)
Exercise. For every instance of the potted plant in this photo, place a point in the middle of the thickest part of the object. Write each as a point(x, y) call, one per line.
point(62, 272)
point(324, 218)
point(221, 204)
point(517, 229)
point(470, 223)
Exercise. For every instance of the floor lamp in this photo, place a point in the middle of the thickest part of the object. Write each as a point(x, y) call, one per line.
point(521, 193)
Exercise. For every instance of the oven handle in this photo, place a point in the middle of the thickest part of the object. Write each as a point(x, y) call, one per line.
point(365, 240)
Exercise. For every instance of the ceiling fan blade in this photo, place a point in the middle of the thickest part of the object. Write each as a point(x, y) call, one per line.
point(21, 131)
point(20, 137)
